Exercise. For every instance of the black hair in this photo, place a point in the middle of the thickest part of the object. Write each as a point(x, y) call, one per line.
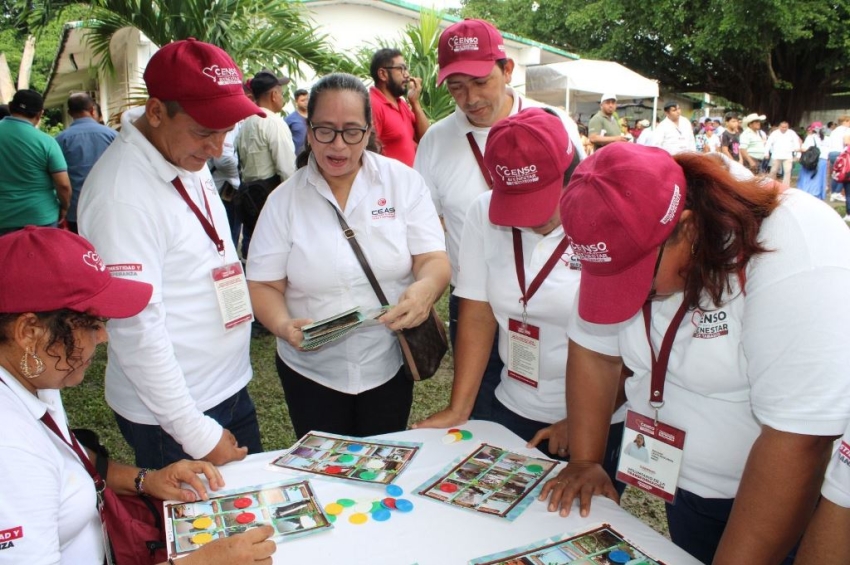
point(299, 93)
point(382, 58)
point(4, 111)
point(60, 325)
point(79, 103)
point(335, 82)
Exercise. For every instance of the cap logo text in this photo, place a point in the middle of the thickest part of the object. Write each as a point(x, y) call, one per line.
point(519, 175)
point(458, 44)
point(222, 76)
point(674, 204)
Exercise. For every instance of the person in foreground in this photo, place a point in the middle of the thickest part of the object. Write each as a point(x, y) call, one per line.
point(55, 295)
point(530, 158)
point(302, 268)
point(732, 271)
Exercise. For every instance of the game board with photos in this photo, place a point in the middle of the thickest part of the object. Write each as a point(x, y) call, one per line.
point(290, 507)
point(598, 546)
point(349, 458)
point(490, 480)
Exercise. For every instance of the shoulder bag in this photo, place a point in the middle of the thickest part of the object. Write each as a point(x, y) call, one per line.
point(422, 347)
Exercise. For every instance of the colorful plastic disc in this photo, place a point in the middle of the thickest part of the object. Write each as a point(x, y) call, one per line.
point(403, 505)
point(358, 518)
point(331, 518)
point(376, 505)
point(346, 502)
point(243, 502)
point(246, 518)
point(449, 439)
point(395, 490)
point(333, 469)
point(202, 538)
point(388, 503)
point(619, 556)
point(448, 487)
point(466, 434)
point(334, 508)
point(453, 430)
point(534, 468)
point(375, 464)
point(355, 448)
point(381, 515)
point(458, 435)
point(345, 458)
point(368, 475)
point(202, 523)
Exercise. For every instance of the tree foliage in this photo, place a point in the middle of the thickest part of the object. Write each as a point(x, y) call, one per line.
point(258, 34)
point(776, 57)
point(418, 45)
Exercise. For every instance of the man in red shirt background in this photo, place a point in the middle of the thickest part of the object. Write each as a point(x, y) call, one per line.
point(399, 124)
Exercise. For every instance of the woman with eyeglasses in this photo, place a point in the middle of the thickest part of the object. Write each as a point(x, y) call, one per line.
point(711, 290)
point(302, 268)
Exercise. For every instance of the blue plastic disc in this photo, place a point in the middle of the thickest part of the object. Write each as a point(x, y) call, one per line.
point(403, 505)
point(395, 491)
point(381, 515)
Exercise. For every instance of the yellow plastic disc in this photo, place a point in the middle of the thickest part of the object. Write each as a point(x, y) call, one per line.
point(458, 435)
point(358, 518)
point(334, 509)
point(202, 538)
point(202, 523)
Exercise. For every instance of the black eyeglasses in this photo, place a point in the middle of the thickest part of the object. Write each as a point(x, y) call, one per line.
point(652, 292)
point(402, 68)
point(351, 136)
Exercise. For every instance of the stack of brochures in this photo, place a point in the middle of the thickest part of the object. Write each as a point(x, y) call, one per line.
point(325, 331)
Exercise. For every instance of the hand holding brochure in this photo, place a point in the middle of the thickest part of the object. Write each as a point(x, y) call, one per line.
point(330, 329)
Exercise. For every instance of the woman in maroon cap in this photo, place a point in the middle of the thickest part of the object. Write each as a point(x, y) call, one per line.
point(55, 295)
point(711, 290)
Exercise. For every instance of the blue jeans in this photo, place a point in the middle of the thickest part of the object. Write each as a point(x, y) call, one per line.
point(156, 449)
point(697, 524)
point(525, 428)
point(483, 408)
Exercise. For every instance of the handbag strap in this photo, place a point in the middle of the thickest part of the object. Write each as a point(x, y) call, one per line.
point(361, 258)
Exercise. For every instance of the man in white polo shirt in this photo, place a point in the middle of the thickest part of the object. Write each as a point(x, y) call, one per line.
point(674, 134)
point(178, 372)
point(477, 72)
point(783, 144)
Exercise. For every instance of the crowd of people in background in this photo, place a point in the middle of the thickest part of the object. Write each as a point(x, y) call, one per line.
point(572, 253)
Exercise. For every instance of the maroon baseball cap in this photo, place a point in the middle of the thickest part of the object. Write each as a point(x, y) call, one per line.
point(203, 79)
point(470, 47)
point(47, 269)
point(527, 155)
point(620, 205)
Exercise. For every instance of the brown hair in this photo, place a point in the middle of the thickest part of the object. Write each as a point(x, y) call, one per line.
point(726, 214)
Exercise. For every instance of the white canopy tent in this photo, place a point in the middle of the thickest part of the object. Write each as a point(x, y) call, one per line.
point(585, 80)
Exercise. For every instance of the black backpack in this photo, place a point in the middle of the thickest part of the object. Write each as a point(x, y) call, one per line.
point(809, 158)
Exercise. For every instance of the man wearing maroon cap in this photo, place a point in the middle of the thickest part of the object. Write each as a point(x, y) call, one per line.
point(477, 71)
point(178, 371)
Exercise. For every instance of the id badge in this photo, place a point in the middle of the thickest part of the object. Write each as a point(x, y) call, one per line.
point(524, 352)
point(651, 456)
point(231, 291)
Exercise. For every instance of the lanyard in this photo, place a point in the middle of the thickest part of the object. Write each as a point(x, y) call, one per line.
point(659, 364)
point(541, 276)
point(479, 157)
point(207, 224)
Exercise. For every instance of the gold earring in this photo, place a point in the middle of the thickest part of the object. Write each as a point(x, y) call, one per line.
point(25, 366)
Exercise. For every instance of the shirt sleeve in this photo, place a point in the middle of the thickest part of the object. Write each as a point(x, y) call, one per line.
point(30, 503)
point(55, 158)
point(271, 241)
point(472, 275)
point(424, 231)
point(602, 338)
point(422, 165)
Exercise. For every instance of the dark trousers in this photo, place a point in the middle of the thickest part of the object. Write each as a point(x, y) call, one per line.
point(526, 429)
point(381, 410)
point(697, 524)
point(483, 408)
point(156, 449)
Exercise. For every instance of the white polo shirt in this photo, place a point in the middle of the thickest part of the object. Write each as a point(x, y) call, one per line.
point(760, 359)
point(298, 238)
point(782, 146)
point(488, 274)
point(448, 165)
point(174, 360)
point(836, 483)
point(836, 139)
point(48, 506)
point(675, 137)
point(265, 147)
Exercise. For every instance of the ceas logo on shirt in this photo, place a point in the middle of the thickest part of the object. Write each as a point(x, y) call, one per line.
point(8, 536)
point(222, 76)
point(710, 325)
point(571, 260)
point(383, 211)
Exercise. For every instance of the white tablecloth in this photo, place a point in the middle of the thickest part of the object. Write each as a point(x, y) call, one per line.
point(435, 533)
